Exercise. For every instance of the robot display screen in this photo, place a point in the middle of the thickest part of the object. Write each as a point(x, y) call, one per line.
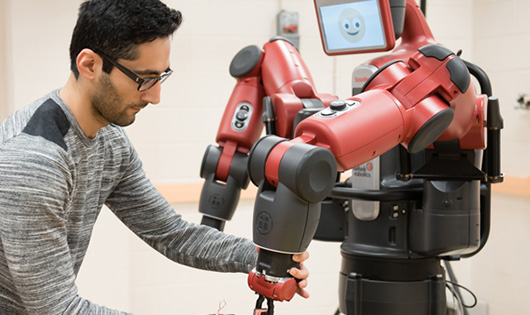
point(352, 26)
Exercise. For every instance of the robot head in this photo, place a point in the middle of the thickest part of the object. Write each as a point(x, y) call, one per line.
point(352, 25)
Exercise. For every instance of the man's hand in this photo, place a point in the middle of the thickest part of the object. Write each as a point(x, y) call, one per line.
point(301, 274)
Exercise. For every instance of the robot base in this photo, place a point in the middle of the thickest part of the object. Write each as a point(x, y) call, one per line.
point(374, 286)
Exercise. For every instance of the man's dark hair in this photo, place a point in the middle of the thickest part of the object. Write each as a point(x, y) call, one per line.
point(116, 27)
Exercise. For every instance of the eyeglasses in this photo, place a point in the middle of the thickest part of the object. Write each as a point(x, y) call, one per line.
point(144, 84)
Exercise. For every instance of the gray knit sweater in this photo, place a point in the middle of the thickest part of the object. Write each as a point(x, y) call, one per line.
point(53, 183)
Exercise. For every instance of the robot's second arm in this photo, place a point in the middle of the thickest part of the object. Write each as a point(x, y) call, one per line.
point(273, 87)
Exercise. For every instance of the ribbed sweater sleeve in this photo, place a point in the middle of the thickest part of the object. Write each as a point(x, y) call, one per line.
point(140, 206)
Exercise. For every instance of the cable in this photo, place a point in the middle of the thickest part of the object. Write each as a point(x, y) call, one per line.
point(481, 76)
point(475, 300)
point(454, 287)
point(459, 302)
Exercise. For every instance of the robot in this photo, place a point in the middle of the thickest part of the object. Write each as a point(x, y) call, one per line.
point(413, 133)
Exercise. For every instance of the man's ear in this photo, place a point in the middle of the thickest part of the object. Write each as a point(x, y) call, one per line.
point(89, 64)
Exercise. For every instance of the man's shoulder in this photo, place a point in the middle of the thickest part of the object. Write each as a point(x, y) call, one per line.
point(36, 130)
point(43, 117)
point(49, 122)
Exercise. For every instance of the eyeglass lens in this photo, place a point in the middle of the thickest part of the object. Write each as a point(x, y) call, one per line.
point(150, 82)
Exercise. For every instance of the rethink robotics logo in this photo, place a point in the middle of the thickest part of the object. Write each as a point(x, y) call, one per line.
point(216, 201)
point(264, 223)
point(364, 170)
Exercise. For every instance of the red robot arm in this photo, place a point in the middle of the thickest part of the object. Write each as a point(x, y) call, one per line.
point(224, 167)
point(275, 77)
point(430, 98)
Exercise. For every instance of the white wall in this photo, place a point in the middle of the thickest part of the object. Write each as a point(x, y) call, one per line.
point(121, 272)
point(499, 274)
point(5, 73)
point(501, 43)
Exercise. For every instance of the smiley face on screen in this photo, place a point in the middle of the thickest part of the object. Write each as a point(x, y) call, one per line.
point(351, 25)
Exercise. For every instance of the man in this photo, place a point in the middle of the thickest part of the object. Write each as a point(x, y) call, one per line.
point(65, 155)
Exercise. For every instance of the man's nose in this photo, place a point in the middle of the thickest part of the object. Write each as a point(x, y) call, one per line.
point(152, 95)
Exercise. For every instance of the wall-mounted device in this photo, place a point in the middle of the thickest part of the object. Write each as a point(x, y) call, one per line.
point(524, 101)
point(287, 27)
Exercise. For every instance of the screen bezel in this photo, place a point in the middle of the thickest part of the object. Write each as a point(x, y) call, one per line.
point(387, 25)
